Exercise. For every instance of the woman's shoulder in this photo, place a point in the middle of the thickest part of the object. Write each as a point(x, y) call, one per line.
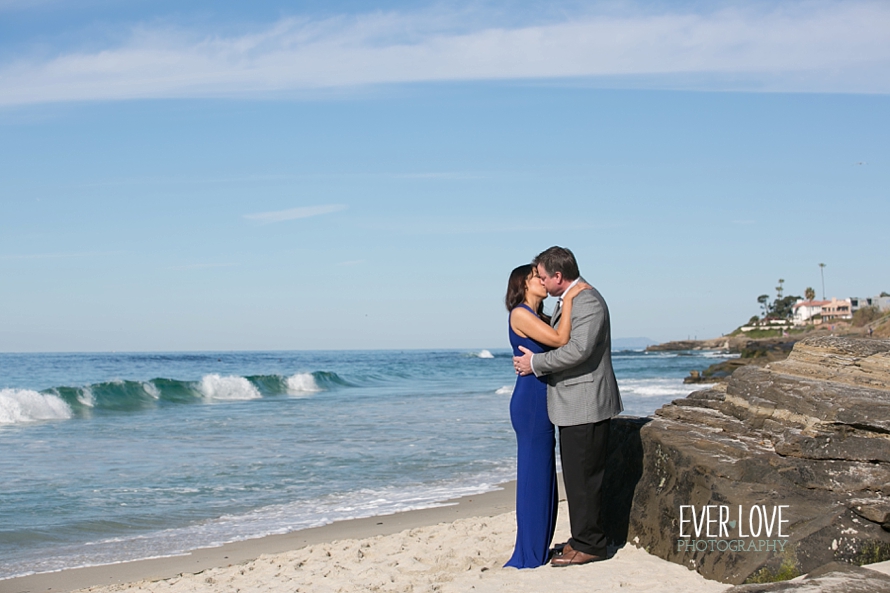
point(522, 309)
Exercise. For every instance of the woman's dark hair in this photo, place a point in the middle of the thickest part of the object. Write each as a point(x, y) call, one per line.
point(516, 290)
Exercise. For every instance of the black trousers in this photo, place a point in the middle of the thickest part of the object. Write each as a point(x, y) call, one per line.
point(583, 453)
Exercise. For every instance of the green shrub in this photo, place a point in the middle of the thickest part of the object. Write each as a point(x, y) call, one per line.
point(866, 315)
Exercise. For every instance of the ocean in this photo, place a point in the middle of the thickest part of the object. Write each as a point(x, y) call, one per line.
point(120, 456)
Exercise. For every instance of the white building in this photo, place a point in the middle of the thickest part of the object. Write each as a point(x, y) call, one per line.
point(804, 311)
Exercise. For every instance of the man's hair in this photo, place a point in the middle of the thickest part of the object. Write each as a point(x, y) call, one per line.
point(558, 259)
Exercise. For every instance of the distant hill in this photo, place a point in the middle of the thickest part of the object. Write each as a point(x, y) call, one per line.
point(631, 343)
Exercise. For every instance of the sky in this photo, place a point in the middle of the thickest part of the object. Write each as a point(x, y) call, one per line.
point(361, 175)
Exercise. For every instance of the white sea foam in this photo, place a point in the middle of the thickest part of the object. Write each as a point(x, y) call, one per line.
point(718, 354)
point(642, 397)
point(86, 397)
point(302, 383)
point(228, 388)
point(658, 388)
point(18, 406)
point(505, 390)
point(485, 354)
point(152, 389)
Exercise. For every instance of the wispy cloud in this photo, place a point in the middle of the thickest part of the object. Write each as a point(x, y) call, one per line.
point(445, 226)
point(294, 213)
point(251, 179)
point(63, 255)
point(827, 46)
point(201, 266)
point(438, 176)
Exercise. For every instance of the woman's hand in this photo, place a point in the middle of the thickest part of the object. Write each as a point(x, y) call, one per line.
point(575, 291)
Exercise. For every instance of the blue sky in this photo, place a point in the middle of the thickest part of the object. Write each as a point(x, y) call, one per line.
point(356, 175)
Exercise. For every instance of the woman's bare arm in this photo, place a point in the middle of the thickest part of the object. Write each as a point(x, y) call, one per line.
point(527, 324)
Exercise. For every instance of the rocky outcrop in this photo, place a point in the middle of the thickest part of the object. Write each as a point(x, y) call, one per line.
point(756, 352)
point(678, 345)
point(781, 470)
point(831, 578)
point(726, 343)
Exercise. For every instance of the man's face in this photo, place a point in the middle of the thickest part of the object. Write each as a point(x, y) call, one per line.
point(553, 284)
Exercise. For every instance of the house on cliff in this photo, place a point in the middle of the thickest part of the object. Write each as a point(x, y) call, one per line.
point(881, 302)
point(804, 311)
point(837, 309)
point(816, 312)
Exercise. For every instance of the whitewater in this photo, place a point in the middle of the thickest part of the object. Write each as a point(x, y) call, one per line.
point(113, 457)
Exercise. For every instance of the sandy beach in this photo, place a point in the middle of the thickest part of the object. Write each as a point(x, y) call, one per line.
point(458, 547)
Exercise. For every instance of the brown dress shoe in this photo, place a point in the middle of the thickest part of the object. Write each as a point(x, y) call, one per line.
point(560, 549)
point(573, 557)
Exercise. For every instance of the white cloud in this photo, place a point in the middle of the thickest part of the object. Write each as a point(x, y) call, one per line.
point(799, 46)
point(294, 213)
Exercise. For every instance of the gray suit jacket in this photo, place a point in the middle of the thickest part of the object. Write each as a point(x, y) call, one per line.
point(581, 383)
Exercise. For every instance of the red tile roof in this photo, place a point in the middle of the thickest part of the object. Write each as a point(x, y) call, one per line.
point(811, 304)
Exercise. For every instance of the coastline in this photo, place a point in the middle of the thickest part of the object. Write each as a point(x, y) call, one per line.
point(487, 504)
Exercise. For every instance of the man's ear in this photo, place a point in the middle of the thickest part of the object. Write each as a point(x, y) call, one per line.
point(558, 277)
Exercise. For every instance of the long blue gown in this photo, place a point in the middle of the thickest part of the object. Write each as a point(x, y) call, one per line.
point(536, 497)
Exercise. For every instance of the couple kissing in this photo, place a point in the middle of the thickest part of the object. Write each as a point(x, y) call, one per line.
point(565, 379)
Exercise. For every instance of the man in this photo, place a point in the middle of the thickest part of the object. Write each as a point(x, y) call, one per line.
point(582, 397)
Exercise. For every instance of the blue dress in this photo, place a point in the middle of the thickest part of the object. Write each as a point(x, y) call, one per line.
point(536, 497)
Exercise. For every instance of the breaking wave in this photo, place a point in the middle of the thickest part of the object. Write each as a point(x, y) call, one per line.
point(232, 388)
point(21, 406)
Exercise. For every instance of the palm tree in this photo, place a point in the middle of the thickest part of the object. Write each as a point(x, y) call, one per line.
point(809, 294)
point(822, 272)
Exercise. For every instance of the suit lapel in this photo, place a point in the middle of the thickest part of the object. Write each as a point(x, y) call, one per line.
point(557, 310)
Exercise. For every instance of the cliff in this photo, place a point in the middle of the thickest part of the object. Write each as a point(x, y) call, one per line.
point(782, 470)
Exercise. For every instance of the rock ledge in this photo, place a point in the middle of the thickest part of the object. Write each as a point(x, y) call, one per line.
point(782, 470)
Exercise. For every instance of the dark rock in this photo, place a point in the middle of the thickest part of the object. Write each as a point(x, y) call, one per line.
point(776, 348)
point(676, 346)
point(806, 440)
point(876, 511)
point(723, 369)
point(751, 352)
point(624, 467)
point(844, 443)
point(694, 377)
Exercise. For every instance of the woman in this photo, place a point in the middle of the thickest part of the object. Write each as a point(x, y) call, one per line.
point(536, 497)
